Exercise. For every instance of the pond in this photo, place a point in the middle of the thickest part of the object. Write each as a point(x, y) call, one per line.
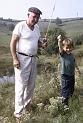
point(7, 79)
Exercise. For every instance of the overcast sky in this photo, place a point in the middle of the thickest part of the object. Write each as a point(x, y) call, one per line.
point(17, 9)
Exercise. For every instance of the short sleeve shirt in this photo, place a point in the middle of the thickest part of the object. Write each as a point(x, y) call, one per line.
point(28, 39)
point(67, 63)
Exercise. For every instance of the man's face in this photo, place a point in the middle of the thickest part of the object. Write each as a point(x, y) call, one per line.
point(33, 18)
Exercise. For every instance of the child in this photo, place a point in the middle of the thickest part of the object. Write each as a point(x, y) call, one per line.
point(68, 64)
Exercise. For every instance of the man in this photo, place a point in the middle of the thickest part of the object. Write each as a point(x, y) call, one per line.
point(24, 44)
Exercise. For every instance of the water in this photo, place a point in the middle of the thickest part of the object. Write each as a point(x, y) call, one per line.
point(7, 79)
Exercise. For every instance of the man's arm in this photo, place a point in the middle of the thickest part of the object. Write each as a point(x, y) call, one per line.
point(13, 43)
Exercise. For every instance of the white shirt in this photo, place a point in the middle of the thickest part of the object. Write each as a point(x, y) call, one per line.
point(28, 42)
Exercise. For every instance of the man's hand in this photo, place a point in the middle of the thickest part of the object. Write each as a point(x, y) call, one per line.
point(44, 43)
point(16, 63)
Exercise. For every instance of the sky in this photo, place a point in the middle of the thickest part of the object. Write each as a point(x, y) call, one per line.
point(51, 9)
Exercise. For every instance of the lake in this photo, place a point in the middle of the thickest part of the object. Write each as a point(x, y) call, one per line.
point(7, 79)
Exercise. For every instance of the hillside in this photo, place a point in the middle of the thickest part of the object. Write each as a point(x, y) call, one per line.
point(71, 26)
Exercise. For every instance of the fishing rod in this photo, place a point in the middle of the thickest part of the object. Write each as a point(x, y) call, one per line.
point(50, 21)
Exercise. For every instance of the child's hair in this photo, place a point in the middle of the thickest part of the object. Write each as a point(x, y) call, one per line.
point(68, 42)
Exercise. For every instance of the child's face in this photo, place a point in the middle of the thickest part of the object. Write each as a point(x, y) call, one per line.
point(68, 49)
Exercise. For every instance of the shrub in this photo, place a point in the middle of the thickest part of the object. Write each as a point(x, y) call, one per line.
point(58, 21)
point(11, 27)
point(78, 39)
point(52, 47)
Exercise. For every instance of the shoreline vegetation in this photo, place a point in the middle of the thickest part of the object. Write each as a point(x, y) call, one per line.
point(46, 106)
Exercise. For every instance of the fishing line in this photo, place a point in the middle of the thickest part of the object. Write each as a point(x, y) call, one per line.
point(50, 20)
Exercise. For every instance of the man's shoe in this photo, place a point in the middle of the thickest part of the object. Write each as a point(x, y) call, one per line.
point(18, 120)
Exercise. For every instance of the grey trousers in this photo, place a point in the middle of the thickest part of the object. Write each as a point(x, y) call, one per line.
point(24, 82)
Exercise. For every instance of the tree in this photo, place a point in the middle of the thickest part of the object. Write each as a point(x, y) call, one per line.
point(52, 47)
point(58, 21)
point(11, 27)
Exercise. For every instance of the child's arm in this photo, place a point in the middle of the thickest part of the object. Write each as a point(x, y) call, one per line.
point(60, 43)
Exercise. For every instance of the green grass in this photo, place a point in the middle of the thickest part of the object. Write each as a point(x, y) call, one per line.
point(5, 56)
point(42, 95)
point(73, 28)
point(7, 102)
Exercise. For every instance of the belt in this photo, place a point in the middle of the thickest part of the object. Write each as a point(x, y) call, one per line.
point(27, 54)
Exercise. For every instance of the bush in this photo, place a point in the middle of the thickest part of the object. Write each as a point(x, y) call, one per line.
point(52, 47)
point(11, 27)
point(78, 39)
point(58, 21)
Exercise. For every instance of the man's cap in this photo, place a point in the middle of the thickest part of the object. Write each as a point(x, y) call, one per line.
point(35, 10)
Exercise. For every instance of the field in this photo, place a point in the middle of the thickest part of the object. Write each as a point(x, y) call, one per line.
point(72, 28)
point(5, 56)
point(46, 106)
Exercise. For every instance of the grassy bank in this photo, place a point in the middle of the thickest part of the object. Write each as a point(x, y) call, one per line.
point(5, 56)
point(46, 107)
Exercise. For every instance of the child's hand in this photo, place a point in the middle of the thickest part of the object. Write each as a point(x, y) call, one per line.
point(59, 38)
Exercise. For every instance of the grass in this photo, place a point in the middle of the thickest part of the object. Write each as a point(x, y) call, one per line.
point(51, 112)
point(6, 102)
point(73, 28)
point(5, 56)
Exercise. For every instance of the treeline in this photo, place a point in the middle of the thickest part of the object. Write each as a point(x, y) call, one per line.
point(57, 21)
